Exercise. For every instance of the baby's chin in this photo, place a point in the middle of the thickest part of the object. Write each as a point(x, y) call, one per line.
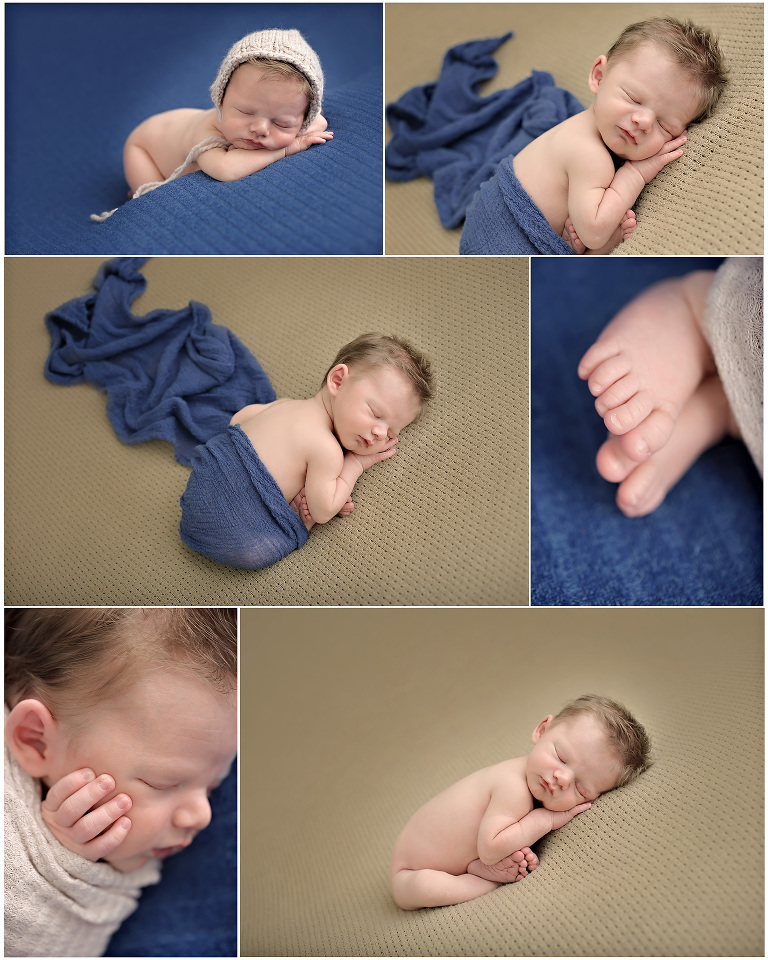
point(129, 864)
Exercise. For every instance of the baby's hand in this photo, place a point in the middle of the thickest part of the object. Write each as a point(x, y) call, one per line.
point(670, 151)
point(368, 459)
point(68, 813)
point(305, 140)
point(561, 817)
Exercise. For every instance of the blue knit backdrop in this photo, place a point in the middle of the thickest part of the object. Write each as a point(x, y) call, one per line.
point(702, 546)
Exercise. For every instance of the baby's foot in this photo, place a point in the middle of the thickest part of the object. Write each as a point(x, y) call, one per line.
point(705, 419)
point(346, 509)
point(515, 867)
point(648, 362)
point(572, 238)
point(299, 505)
point(628, 225)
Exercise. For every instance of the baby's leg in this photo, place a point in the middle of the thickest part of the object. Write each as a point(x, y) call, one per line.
point(414, 889)
point(705, 419)
point(648, 361)
point(515, 867)
point(139, 167)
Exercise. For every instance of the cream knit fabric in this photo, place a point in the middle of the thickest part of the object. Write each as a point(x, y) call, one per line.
point(57, 904)
point(733, 326)
point(288, 46)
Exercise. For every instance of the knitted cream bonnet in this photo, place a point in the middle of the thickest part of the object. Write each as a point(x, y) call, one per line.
point(286, 45)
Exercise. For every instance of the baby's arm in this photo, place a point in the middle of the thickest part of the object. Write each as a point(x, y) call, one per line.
point(596, 210)
point(68, 813)
point(499, 838)
point(234, 163)
point(329, 482)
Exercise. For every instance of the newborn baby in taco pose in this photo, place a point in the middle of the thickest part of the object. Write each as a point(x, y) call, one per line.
point(267, 97)
point(257, 490)
point(477, 834)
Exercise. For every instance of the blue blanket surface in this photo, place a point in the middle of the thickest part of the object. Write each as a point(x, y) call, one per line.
point(233, 511)
point(171, 375)
point(503, 220)
point(704, 544)
point(448, 132)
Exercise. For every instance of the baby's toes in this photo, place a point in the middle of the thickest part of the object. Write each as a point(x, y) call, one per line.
point(626, 417)
point(619, 393)
point(612, 463)
point(604, 374)
point(531, 860)
point(648, 437)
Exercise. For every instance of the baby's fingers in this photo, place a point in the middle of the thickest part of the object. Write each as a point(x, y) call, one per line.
point(671, 145)
point(95, 822)
point(107, 842)
point(73, 795)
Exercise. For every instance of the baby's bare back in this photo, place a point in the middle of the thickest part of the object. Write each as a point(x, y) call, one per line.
point(442, 835)
point(542, 166)
point(284, 434)
point(168, 137)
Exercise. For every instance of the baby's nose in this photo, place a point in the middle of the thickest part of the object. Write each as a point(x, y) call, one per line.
point(642, 118)
point(194, 814)
point(259, 126)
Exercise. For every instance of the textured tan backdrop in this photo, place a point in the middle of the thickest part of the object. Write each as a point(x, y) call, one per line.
point(90, 521)
point(350, 721)
point(708, 202)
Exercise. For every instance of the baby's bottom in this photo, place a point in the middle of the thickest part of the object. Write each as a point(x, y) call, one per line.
point(705, 420)
point(649, 361)
point(414, 889)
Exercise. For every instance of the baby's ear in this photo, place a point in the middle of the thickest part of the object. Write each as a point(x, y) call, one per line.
point(335, 377)
point(537, 733)
point(597, 73)
point(30, 732)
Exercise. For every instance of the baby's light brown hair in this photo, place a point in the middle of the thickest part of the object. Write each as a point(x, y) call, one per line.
point(371, 350)
point(694, 49)
point(74, 659)
point(284, 73)
point(625, 735)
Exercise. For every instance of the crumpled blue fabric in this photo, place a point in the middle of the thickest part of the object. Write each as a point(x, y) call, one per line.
point(171, 375)
point(233, 510)
point(446, 131)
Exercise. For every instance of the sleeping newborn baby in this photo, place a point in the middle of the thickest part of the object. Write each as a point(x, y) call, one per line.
point(267, 98)
point(257, 490)
point(477, 834)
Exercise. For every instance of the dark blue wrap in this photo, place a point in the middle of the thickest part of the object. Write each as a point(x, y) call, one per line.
point(232, 509)
point(448, 132)
point(170, 375)
point(503, 220)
